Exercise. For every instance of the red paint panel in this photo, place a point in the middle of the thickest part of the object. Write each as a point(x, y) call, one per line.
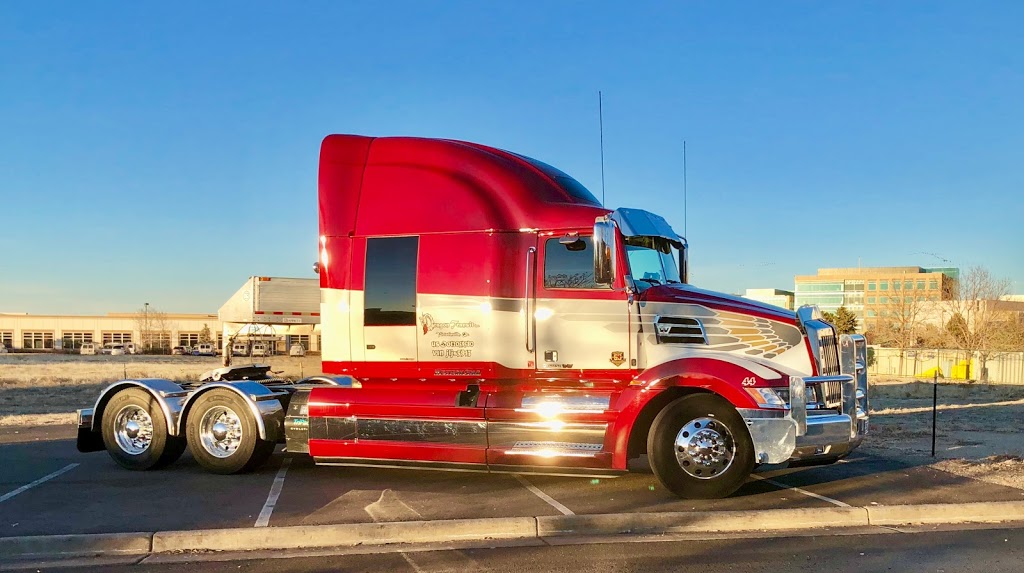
point(339, 401)
point(474, 264)
point(429, 374)
point(342, 162)
point(388, 450)
point(600, 460)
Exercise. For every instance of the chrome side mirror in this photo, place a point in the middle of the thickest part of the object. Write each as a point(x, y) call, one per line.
point(604, 252)
point(684, 263)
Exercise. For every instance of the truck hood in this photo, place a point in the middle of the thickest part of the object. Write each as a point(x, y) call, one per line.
point(687, 294)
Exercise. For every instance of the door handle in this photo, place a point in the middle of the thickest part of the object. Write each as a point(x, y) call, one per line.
point(531, 324)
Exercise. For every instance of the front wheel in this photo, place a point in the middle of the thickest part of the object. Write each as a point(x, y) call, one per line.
point(699, 447)
point(223, 436)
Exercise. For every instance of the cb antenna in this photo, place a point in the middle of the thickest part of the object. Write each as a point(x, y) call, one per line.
point(684, 188)
point(600, 121)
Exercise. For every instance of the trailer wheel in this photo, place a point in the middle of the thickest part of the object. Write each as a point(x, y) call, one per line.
point(699, 447)
point(135, 434)
point(223, 436)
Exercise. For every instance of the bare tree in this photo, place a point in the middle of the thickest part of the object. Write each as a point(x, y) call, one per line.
point(154, 329)
point(977, 326)
point(1011, 336)
point(899, 325)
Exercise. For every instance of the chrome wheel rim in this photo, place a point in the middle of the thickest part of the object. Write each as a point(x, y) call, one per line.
point(705, 448)
point(220, 431)
point(133, 429)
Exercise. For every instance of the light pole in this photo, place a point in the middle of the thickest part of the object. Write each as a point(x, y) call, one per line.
point(145, 325)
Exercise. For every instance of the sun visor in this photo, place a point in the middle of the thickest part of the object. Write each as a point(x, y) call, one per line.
point(640, 223)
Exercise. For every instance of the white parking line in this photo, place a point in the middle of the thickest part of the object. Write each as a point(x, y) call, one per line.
point(28, 486)
point(803, 491)
point(275, 491)
point(551, 501)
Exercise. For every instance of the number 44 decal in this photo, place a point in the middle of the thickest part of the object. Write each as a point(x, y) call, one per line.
point(749, 381)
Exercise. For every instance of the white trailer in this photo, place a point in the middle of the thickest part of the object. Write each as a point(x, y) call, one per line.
point(270, 309)
point(274, 300)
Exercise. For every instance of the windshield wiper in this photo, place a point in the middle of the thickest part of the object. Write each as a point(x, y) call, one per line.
point(650, 280)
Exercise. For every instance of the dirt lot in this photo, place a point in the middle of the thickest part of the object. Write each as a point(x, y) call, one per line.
point(38, 389)
point(980, 427)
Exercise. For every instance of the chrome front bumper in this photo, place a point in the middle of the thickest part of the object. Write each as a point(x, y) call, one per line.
point(829, 436)
point(799, 434)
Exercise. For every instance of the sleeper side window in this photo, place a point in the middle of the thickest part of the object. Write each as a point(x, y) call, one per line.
point(390, 291)
point(569, 265)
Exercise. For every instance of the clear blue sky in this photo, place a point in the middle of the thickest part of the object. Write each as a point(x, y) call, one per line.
point(163, 153)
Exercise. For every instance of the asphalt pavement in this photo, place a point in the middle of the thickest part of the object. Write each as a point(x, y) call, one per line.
point(47, 487)
point(909, 550)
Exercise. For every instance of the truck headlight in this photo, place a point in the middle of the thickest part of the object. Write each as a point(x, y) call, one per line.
point(767, 397)
point(810, 398)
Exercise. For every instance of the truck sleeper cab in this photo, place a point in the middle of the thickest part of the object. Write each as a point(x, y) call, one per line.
point(503, 320)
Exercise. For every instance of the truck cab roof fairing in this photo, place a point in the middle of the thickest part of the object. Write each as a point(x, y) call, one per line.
point(406, 185)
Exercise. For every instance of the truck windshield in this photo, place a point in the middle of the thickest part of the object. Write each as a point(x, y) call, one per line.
point(652, 261)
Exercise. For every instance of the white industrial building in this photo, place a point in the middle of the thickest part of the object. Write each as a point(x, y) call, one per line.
point(278, 311)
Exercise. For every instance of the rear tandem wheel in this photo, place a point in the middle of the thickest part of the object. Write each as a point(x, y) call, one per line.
point(135, 434)
point(223, 436)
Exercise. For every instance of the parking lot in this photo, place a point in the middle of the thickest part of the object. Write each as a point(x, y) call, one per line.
point(47, 487)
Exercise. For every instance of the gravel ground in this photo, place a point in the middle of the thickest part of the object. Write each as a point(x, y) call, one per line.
point(979, 427)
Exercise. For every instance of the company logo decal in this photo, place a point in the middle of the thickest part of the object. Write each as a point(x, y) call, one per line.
point(618, 358)
point(454, 337)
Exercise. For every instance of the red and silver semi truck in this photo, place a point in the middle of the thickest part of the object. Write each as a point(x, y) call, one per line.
point(481, 311)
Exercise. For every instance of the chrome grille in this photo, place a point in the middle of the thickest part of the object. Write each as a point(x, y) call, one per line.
point(828, 353)
point(679, 330)
point(832, 394)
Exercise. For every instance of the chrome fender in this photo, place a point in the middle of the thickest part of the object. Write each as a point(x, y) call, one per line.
point(265, 405)
point(166, 393)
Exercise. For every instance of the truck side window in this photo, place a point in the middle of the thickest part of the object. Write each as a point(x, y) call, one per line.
point(390, 290)
point(569, 266)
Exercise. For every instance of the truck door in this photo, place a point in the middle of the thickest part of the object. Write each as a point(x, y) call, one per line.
point(581, 326)
point(557, 420)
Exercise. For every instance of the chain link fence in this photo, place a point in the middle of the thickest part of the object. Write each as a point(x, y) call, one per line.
point(999, 368)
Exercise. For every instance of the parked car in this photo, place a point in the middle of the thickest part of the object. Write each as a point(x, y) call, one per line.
point(181, 350)
point(3, 349)
point(260, 349)
point(131, 348)
point(297, 350)
point(113, 349)
point(239, 349)
point(88, 348)
point(205, 349)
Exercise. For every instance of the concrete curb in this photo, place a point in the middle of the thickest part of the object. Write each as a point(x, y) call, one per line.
point(76, 545)
point(505, 528)
point(980, 512)
point(695, 522)
point(302, 537)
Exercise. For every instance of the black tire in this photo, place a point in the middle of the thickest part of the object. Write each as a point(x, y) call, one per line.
point(712, 417)
point(135, 405)
point(241, 450)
